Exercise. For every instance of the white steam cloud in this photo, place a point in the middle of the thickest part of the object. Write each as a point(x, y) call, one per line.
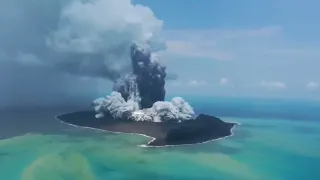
point(102, 31)
point(115, 105)
point(43, 40)
point(114, 40)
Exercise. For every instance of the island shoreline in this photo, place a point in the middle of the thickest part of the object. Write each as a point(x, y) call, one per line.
point(147, 145)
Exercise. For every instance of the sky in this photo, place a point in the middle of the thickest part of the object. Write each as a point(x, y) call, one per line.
point(62, 51)
point(242, 48)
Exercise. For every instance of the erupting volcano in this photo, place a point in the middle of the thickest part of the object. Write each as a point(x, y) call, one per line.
point(122, 46)
point(140, 95)
point(137, 106)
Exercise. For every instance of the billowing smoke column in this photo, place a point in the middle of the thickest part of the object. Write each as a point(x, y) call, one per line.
point(140, 95)
point(111, 40)
point(148, 76)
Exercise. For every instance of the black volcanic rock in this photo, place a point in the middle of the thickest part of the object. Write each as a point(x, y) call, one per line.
point(203, 128)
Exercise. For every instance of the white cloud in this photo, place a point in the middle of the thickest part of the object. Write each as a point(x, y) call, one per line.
point(103, 25)
point(273, 85)
point(301, 52)
point(101, 32)
point(198, 83)
point(312, 86)
point(174, 83)
point(252, 33)
point(225, 82)
point(28, 59)
point(191, 82)
point(185, 48)
point(210, 43)
point(210, 34)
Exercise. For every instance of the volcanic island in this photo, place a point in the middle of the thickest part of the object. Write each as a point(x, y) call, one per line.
point(202, 129)
point(137, 106)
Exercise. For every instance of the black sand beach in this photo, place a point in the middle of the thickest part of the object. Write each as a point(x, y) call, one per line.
point(203, 128)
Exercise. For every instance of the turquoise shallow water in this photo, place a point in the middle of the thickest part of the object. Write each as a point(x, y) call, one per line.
point(276, 141)
point(262, 149)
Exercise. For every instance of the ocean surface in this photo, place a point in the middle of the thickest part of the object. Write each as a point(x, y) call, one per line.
point(277, 140)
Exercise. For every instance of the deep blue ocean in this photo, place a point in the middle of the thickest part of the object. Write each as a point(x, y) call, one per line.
point(277, 140)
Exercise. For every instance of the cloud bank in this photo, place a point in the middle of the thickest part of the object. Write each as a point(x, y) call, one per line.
point(210, 43)
point(273, 85)
point(312, 86)
point(225, 82)
point(58, 42)
point(101, 32)
point(194, 82)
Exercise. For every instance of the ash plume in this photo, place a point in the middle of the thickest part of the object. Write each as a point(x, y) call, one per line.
point(95, 36)
point(56, 44)
point(150, 75)
point(140, 95)
point(118, 45)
